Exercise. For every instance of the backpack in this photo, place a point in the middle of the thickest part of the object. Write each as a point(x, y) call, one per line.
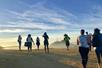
point(97, 40)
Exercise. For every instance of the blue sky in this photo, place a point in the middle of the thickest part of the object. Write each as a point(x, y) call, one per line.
point(58, 16)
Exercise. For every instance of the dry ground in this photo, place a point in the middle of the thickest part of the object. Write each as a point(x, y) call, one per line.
point(57, 58)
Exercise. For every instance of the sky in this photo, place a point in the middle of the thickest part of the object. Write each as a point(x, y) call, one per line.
point(53, 16)
point(49, 15)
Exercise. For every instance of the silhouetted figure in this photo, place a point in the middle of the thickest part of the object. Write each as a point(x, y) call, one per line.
point(89, 40)
point(46, 43)
point(38, 42)
point(29, 42)
point(19, 41)
point(97, 42)
point(66, 39)
point(83, 48)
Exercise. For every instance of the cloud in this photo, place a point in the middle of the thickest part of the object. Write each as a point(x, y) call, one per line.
point(28, 27)
point(40, 17)
point(12, 31)
point(36, 17)
point(59, 21)
point(89, 20)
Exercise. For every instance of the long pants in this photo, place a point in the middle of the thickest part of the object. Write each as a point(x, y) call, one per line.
point(99, 53)
point(84, 55)
point(19, 45)
point(46, 46)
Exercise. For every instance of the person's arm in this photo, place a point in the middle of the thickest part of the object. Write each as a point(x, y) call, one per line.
point(27, 39)
point(17, 39)
point(88, 40)
point(69, 38)
point(42, 35)
point(21, 38)
point(48, 37)
point(33, 41)
point(64, 39)
point(77, 41)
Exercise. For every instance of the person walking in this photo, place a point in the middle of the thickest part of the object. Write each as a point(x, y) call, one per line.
point(38, 42)
point(89, 35)
point(46, 42)
point(29, 41)
point(66, 39)
point(19, 41)
point(82, 41)
point(97, 42)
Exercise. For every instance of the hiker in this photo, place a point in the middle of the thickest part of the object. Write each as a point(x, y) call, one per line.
point(82, 41)
point(66, 39)
point(97, 42)
point(19, 41)
point(89, 35)
point(46, 43)
point(29, 41)
point(38, 42)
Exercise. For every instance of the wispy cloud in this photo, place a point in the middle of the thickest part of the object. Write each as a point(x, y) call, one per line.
point(40, 17)
point(37, 17)
point(92, 19)
point(12, 31)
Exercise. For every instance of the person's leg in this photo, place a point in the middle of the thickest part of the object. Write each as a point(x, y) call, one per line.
point(45, 45)
point(83, 56)
point(28, 48)
point(47, 48)
point(38, 47)
point(90, 47)
point(19, 45)
point(31, 48)
point(101, 52)
point(67, 47)
point(86, 55)
point(98, 54)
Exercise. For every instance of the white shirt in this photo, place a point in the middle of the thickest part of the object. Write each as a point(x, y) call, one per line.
point(83, 41)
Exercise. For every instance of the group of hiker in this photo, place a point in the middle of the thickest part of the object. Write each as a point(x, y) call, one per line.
point(85, 42)
point(29, 42)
